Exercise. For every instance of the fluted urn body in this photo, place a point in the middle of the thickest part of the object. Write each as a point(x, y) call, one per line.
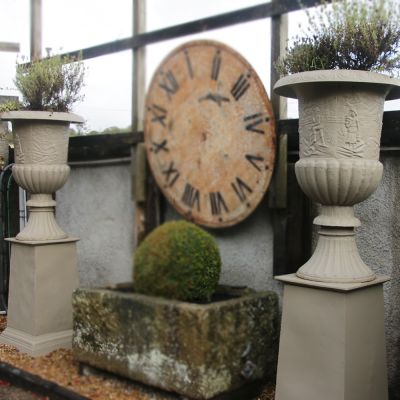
point(340, 123)
point(41, 152)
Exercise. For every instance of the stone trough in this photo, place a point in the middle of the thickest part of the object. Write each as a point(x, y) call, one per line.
point(197, 350)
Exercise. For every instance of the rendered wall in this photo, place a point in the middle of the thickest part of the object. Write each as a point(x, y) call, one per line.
point(95, 205)
point(379, 244)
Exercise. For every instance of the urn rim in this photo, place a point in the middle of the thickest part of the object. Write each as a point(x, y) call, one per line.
point(286, 86)
point(42, 115)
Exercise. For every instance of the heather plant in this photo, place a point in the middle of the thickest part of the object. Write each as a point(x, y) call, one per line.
point(50, 84)
point(347, 34)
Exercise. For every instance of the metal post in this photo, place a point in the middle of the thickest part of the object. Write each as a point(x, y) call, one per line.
point(9, 47)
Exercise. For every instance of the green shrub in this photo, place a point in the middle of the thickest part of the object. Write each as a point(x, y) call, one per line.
point(9, 106)
point(178, 260)
point(348, 34)
point(50, 84)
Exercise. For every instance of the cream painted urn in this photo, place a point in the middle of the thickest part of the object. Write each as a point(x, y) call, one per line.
point(41, 151)
point(340, 123)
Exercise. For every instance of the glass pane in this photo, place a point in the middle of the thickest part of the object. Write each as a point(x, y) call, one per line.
point(161, 13)
point(107, 101)
point(251, 40)
point(75, 24)
point(14, 21)
point(14, 27)
point(7, 74)
point(297, 24)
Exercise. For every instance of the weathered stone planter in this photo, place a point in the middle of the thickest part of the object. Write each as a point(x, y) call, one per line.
point(198, 350)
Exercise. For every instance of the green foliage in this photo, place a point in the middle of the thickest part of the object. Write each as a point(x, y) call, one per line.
point(178, 260)
point(116, 129)
point(10, 106)
point(82, 130)
point(348, 34)
point(50, 84)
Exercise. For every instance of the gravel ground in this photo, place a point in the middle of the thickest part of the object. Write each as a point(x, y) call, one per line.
point(60, 367)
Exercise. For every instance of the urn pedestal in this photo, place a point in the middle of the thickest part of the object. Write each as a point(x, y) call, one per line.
point(43, 266)
point(334, 298)
point(42, 279)
point(332, 344)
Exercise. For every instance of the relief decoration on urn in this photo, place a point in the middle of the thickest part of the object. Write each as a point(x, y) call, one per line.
point(340, 126)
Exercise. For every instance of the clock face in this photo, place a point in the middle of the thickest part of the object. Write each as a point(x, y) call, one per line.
point(209, 133)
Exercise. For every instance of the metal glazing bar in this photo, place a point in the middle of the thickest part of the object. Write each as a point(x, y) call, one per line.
point(9, 46)
point(261, 11)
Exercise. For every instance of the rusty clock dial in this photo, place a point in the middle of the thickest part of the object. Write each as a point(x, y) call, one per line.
point(209, 133)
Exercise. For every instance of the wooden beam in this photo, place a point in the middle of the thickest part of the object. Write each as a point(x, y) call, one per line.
point(139, 67)
point(118, 145)
point(278, 189)
point(99, 147)
point(140, 170)
point(9, 47)
point(36, 29)
point(292, 229)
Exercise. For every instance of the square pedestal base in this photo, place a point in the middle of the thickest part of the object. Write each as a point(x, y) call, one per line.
point(42, 278)
point(332, 344)
point(36, 345)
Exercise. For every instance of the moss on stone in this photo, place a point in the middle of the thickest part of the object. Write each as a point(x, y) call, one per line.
point(178, 260)
point(196, 350)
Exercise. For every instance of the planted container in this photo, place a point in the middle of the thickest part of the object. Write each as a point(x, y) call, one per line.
point(340, 123)
point(197, 350)
point(41, 152)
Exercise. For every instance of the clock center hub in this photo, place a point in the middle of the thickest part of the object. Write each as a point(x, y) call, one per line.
point(208, 139)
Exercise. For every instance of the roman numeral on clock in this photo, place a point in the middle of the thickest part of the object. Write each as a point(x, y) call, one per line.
point(253, 121)
point(188, 63)
point(217, 203)
point(240, 189)
point(240, 87)
point(159, 114)
point(171, 175)
point(216, 64)
point(191, 196)
point(253, 161)
point(160, 146)
point(169, 84)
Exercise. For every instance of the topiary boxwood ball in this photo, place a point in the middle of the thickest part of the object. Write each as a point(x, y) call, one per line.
point(178, 260)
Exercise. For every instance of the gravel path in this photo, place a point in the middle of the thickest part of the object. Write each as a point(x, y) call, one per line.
point(61, 368)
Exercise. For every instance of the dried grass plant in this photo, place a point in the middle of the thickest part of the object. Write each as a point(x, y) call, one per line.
point(347, 34)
